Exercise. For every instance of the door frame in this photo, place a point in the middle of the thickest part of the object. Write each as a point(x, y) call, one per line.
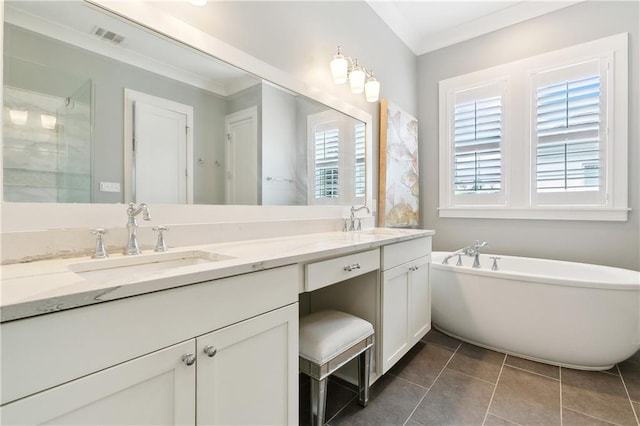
point(132, 96)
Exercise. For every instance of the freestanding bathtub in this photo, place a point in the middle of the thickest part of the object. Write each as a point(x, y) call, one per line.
point(564, 313)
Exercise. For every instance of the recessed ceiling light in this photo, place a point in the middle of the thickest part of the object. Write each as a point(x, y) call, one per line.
point(198, 2)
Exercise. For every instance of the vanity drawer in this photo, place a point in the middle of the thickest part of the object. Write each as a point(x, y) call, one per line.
point(405, 251)
point(331, 271)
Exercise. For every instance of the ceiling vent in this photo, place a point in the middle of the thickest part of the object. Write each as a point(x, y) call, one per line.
point(107, 35)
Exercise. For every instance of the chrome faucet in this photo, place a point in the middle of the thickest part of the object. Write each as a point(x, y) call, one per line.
point(132, 226)
point(352, 220)
point(100, 251)
point(476, 253)
point(456, 253)
point(471, 251)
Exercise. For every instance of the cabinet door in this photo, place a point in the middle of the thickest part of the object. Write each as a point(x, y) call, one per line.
point(248, 372)
point(155, 389)
point(395, 315)
point(406, 309)
point(419, 300)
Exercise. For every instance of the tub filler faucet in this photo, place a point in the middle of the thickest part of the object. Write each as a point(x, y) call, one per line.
point(476, 253)
point(132, 226)
point(471, 251)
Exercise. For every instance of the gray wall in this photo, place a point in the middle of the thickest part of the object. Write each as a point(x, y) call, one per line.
point(607, 243)
point(300, 37)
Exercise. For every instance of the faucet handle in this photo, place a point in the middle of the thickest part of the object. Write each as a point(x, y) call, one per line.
point(160, 245)
point(146, 213)
point(100, 251)
point(494, 267)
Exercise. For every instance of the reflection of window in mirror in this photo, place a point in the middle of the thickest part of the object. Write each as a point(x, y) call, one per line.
point(360, 175)
point(337, 161)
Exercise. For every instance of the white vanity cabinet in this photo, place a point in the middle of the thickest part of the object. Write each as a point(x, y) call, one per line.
point(219, 352)
point(406, 298)
point(155, 389)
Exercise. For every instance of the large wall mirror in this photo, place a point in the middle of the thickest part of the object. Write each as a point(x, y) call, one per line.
point(98, 109)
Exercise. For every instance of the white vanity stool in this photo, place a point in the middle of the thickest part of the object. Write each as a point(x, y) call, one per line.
point(328, 340)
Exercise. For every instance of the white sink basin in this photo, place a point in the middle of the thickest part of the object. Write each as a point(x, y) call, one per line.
point(139, 266)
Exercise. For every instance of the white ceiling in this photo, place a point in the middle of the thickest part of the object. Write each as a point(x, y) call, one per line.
point(427, 25)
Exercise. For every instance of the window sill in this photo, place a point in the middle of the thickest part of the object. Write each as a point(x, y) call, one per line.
point(547, 213)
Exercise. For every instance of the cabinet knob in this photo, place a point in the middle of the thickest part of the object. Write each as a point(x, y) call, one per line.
point(210, 351)
point(189, 359)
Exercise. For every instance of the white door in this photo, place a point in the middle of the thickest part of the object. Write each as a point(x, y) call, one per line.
point(158, 150)
point(241, 152)
point(156, 389)
point(251, 377)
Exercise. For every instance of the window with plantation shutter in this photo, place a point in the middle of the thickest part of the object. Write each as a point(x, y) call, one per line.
point(360, 170)
point(570, 134)
point(327, 152)
point(477, 133)
point(474, 144)
point(544, 137)
point(336, 160)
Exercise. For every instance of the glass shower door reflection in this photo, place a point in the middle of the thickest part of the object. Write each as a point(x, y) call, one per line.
point(74, 147)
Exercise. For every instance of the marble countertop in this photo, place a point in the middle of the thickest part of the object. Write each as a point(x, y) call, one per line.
point(36, 288)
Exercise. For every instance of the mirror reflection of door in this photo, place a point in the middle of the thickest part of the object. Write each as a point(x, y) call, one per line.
point(241, 151)
point(160, 150)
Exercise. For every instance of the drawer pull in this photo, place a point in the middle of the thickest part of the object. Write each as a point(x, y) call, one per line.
point(352, 267)
point(413, 268)
point(189, 359)
point(210, 351)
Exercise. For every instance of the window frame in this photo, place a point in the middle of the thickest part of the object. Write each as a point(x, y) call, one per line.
point(448, 162)
point(574, 198)
point(518, 147)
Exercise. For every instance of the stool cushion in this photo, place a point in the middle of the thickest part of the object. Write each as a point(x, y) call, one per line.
point(326, 334)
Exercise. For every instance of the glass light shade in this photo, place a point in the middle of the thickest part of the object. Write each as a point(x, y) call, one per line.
point(339, 67)
point(48, 121)
point(18, 117)
point(356, 80)
point(372, 89)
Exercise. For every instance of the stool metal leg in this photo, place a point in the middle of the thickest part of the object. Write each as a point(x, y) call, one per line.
point(318, 401)
point(364, 365)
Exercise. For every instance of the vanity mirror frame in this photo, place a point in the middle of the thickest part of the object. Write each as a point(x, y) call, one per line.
point(28, 216)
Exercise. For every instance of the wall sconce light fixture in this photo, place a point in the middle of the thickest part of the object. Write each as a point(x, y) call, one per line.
point(344, 68)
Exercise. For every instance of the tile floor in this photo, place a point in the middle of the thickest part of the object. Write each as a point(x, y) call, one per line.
point(443, 381)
